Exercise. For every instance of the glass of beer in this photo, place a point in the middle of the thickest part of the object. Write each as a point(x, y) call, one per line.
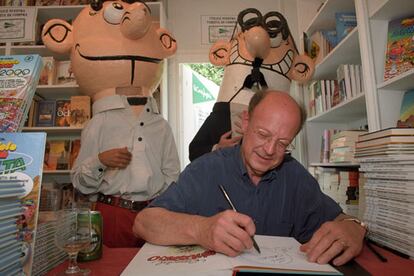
point(73, 234)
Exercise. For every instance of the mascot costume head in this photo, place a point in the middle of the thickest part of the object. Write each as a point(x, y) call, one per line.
point(112, 44)
point(261, 54)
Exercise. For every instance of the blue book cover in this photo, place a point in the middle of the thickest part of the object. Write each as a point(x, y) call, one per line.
point(345, 23)
point(21, 161)
point(407, 110)
point(19, 76)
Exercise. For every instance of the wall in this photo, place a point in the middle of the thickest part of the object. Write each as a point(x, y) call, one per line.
point(184, 21)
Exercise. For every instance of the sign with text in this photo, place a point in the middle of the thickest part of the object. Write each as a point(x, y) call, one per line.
point(17, 24)
point(217, 27)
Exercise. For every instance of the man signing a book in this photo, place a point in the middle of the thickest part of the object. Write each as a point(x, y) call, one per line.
point(272, 192)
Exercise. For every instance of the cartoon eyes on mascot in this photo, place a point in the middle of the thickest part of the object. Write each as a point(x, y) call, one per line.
point(261, 54)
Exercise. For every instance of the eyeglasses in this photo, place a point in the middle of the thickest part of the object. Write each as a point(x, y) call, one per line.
point(264, 137)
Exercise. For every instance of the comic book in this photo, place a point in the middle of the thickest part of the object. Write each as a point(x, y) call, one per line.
point(399, 56)
point(19, 76)
point(21, 159)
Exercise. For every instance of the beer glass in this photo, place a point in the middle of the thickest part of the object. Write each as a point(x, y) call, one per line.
point(73, 234)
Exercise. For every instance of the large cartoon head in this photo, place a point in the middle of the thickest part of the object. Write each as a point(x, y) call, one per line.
point(263, 42)
point(112, 44)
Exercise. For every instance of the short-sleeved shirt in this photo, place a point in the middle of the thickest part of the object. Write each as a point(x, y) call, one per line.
point(286, 202)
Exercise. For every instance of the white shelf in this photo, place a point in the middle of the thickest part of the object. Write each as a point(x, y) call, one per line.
point(353, 109)
point(404, 81)
point(393, 9)
point(325, 18)
point(58, 91)
point(61, 130)
point(346, 52)
point(335, 164)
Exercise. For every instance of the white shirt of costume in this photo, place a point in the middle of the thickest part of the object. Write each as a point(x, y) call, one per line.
point(154, 165)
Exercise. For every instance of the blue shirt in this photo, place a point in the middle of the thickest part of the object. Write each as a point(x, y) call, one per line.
point(286, 202)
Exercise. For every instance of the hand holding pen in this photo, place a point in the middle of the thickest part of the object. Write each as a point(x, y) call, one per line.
point(226, 196)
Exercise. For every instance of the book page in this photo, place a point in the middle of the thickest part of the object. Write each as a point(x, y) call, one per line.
point(278, 253)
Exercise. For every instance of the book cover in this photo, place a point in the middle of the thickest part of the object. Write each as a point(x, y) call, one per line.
point(407, 110)
point(64, 73)
point(399, 56)
point(48, 73)
point(56, 155)
point(21, 156)
point(19, 76)
point(74, 151)
point(62, 115)
point(45, 116)
point(345, 23)
point(80, 110)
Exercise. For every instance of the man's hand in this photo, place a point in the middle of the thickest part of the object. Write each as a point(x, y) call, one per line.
point(341, 240)
point(226, 141)
point(118, 158)
point(227, 232)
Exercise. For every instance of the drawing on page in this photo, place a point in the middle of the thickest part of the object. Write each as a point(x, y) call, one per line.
point(269, 256)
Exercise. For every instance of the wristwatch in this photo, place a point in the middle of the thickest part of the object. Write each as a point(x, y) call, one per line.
point(360, 223)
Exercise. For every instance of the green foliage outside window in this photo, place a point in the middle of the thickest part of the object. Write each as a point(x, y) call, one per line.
point(209, 71)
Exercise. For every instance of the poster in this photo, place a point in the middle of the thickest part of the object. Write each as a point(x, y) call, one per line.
point(217, 27)
point(18, 24)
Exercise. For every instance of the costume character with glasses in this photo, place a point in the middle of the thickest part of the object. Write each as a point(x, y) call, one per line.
point(272, 192)
point(128, 154)
point(260, 54)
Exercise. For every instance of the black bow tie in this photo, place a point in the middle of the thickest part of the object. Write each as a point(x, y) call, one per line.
point(137, 100)
point(255, 77)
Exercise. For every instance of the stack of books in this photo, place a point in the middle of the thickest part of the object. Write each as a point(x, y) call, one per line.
point(387, 161)
point(342, 147)
point(18, 82)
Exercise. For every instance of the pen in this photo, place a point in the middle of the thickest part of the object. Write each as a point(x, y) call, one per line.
point(226, 196)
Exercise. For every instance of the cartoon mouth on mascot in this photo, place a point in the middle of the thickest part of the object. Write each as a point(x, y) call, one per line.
point(261, 54)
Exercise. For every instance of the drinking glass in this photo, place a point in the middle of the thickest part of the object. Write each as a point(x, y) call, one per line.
point(73, 234)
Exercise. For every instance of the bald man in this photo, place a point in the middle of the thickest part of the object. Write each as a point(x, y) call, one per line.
point(273, 193)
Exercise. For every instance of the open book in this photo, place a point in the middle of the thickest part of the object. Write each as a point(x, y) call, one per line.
point(279, 255)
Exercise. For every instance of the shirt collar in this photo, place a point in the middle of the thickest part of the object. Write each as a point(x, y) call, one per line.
point(119, 102)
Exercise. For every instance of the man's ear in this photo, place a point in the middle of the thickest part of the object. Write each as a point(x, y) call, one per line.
point(245, 120)
point(57, 35)
point(220, 53)
point(302, 69)
point(168, 42)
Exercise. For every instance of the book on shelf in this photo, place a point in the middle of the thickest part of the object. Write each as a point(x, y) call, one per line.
point(279, 255)
point(344, 81)
point(64, 73)
point(48, 73)
point(406, 118)
point(57, 154)
point(399, 56)
point(349, 134)
point(46, 111)
point(74, 151)
point(17, 89)
point(387, 132)
point(385, 140)
point(80, 110)
point(345, 22)
point(62, 115)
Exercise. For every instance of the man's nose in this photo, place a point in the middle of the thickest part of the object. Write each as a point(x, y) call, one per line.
point(136, 21)
point(257, 42)
point(270, 147)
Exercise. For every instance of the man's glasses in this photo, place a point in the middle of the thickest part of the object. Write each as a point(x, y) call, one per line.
point(265, 137)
